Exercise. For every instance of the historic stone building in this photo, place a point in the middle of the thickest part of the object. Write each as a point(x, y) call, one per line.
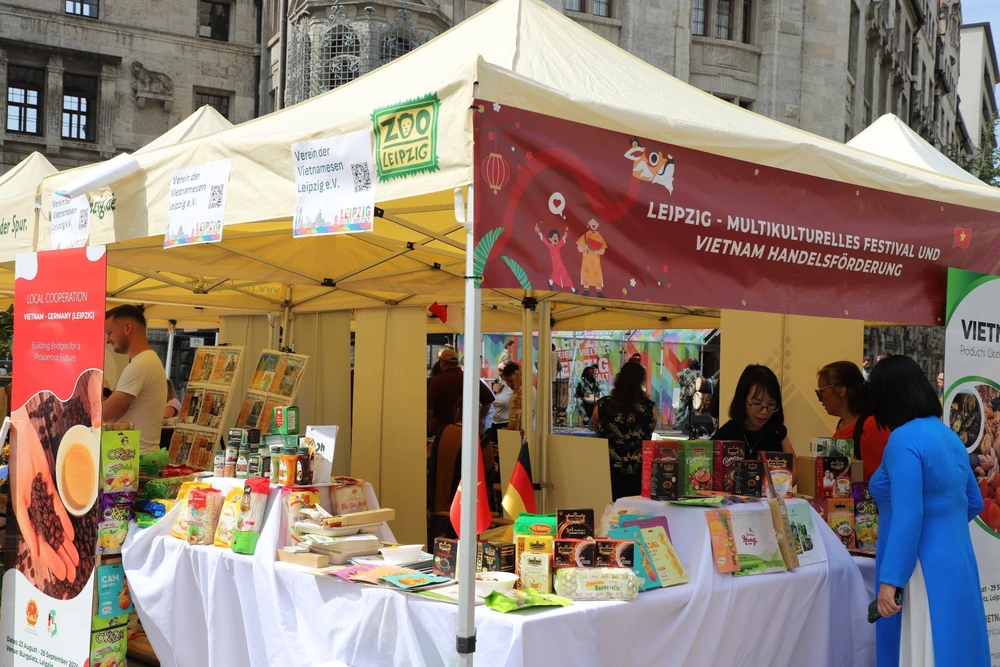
point(977, 85)
point(83, 80)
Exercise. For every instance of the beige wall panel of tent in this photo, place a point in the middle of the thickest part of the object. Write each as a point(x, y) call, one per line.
point(795, 348)
point(325, 395)
point(579, 473)
point(389, 448)
point(254, 332)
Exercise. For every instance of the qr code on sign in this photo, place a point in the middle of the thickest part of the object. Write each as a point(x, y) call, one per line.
point(215, 198)
point(84, 221)
point(362, 177)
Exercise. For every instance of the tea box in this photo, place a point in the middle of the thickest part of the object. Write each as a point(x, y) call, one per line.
point(445, 557)
point(833, 477)
point(697, 467)
point(726, 455)
point(614, 553)
point(575, 524)
point(779, 465)
point(536, 571)
point(495, 557)
point(532, 544)
point(654, 451)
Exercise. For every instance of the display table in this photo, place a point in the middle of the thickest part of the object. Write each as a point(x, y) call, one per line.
point(266, 613)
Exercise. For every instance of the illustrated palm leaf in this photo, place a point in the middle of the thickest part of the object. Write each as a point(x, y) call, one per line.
point(519, 273)
point(482, 251)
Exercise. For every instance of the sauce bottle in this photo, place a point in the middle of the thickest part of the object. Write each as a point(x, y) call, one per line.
point(243, 461)
point(288, 466)
point(254, 462)
point(220, 463)
point(303, 471)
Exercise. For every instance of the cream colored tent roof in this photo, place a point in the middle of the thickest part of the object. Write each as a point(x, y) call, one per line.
point(518, 52)
point(890, 137)
point(17, 200)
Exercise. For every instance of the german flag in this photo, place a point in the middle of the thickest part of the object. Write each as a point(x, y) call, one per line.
point(520, 494)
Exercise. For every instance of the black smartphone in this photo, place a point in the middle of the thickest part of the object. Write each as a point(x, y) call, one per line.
point(873, 614)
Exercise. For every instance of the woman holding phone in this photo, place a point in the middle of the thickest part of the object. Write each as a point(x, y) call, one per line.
point(927, 495)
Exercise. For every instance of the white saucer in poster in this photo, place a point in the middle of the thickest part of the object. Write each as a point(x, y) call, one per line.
point(78, 436)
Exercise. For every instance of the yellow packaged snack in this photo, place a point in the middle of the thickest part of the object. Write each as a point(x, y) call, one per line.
point(229, 517)
point(180, 527)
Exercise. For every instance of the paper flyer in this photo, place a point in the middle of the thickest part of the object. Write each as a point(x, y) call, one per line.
point(70, 220)
point(196, 206)
point(334, 185)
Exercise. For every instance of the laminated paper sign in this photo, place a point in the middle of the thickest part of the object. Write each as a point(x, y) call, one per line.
point(334, 185)
point(70, 219)
point(197, 204)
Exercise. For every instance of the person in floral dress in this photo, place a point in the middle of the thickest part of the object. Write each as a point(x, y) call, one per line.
point(625, 419)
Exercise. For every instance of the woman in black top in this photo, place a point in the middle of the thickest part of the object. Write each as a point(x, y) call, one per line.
point(755, 415)
point(626, 418)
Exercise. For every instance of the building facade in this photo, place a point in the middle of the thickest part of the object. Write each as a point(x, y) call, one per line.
point(977, 85)
point(83, 80)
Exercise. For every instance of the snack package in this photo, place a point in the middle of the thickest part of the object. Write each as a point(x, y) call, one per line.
point(180, 527)
point(720, 528)
point(697, 467)
point(228, 518)
point(726, 455)
point(348, 499)
point(865, 518)
point(840, 517)
point(119, 461)
point(151, 464)
point(204, 506)
point(597, 583)
point(575, 524)
point(295, 501)
point(507, 600)
point(655, 451)
point(611, 517)
point(251, 515)
point(535, 524)
point(112, 525)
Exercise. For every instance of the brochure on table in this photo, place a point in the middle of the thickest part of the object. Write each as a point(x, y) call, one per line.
point(275, 382)
point(207, 400)
point(971, 407)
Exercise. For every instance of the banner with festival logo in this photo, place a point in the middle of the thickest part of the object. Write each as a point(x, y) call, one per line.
point(972, 409)
point(580, 210)
point(51, 546)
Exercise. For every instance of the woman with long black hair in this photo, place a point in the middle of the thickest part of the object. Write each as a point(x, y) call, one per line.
point(626, 418)
point(755, 415)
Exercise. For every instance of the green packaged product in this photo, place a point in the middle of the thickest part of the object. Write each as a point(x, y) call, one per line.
point(515, 600)
point(151, 464)
point(535, 524)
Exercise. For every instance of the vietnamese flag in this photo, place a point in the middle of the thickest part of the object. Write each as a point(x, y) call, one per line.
point(483, 514)
point(963, 236)
point(520, 494)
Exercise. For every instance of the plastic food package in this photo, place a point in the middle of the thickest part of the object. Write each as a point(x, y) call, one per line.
point(228, 518)
point(297, 500)
point(152, 463)
point(203, 509)
point(112, 525)
point(507, 600)
point(349, 499)
point(597, 583)
point(535, 524)
point(180, 527)
point(251, 515)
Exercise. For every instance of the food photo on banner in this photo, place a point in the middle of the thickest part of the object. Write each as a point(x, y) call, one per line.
point(642, 221)
point(972, 409)
point(51, 547)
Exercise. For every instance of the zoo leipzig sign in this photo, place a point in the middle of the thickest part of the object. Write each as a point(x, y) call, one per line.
point(578, 209)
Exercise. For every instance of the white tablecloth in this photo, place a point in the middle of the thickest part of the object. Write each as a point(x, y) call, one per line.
point(266, 613)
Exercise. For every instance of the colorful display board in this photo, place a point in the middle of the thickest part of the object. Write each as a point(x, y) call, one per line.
point(48, 583)
point(275, 382)
point(207, 398)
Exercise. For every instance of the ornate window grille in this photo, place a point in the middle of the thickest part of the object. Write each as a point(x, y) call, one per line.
point(324, 55)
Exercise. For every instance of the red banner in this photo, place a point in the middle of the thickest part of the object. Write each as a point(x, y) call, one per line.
point(571, 208)
point(59, 303)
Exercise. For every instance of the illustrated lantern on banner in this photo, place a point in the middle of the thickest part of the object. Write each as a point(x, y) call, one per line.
point(496, 172)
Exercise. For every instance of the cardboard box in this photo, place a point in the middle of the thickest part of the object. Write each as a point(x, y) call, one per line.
point(748, 478)
point(285, 420)
point(361, 518)
point(495, 556)
point(825, 477)
point(574, 553)
point(726, 454)
point(780, 466)
point(445, 557)
point(614, 553)
point(532, 544)
point(696, 472)
point(657, 450)
point(665, 480)
point(575, 524)
point(536, 571)
point(840, 447)
point(312, 560)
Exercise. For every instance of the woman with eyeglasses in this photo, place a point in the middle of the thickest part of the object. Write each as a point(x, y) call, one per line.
point(842, 390)
point(755, 415)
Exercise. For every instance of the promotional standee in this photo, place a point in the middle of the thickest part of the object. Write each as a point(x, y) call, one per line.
point(972, 408)
point(48, 585)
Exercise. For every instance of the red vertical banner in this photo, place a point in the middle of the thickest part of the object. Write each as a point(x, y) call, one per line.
point(48, 585)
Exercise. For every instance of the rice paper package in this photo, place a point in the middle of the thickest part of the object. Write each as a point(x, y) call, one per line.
point(228, 518)
point(597, 583)
point(204, 506)
point(251, 515)
point(180, 527)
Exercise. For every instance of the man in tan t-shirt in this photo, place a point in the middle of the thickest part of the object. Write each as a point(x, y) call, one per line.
point(141, 394)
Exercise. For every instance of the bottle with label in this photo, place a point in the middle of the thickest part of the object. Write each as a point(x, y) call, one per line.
point(255, 462)
point(288, 466)
point(232, 453)
point(220, 463)
point(275, 462)
point(303, 473)
point(243, 461)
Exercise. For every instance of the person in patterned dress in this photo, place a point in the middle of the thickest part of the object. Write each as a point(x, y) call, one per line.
point(625, 419)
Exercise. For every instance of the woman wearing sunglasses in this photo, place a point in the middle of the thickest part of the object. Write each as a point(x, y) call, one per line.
point(842, 390)
point(755, 415)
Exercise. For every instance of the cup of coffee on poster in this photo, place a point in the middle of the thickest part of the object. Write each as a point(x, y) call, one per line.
point(76, 469)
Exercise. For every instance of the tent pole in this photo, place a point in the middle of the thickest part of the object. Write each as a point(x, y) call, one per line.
point(286, 313)
point(172, 328)
point(527, 378)
point(545, 389)
point(466, 638)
